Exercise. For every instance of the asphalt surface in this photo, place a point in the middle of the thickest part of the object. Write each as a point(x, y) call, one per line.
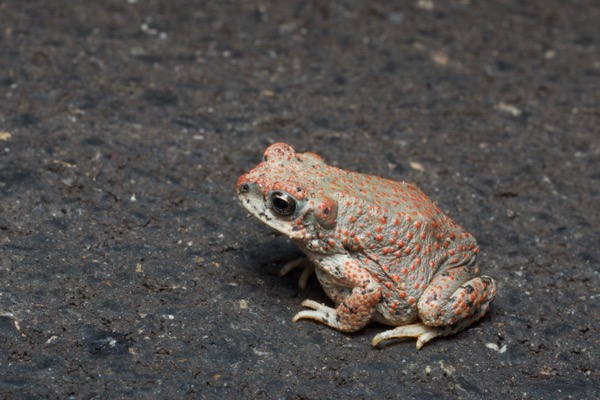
point(128, 270)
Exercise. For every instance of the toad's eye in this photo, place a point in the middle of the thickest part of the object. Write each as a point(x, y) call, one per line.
point(283, 203)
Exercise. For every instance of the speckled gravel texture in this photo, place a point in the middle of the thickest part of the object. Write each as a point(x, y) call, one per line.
point(129, 270)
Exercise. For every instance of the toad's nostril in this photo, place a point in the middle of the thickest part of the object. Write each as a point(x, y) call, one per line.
point(244, 188)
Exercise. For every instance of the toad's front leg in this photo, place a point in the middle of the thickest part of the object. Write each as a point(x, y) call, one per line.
point(355, 310)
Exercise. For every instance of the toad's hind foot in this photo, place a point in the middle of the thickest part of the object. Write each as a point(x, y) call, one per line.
point(423, 333)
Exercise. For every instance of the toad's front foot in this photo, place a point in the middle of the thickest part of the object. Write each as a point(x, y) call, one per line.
point(320, 312)
point(307, 270)
point(339, 318)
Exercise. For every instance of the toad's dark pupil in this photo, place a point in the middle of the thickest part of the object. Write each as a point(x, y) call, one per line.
point(280, 203)
point(283, 204)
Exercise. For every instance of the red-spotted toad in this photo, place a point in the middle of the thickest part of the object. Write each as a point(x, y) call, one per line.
point(382, 251)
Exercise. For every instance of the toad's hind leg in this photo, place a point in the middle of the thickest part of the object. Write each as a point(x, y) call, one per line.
point(446, 307)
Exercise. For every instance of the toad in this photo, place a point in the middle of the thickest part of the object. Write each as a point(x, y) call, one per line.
point(382, 250)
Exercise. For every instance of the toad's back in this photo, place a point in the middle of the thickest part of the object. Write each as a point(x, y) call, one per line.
point(392, 218)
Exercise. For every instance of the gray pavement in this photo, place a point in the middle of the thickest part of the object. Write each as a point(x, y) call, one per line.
point(128, 270)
